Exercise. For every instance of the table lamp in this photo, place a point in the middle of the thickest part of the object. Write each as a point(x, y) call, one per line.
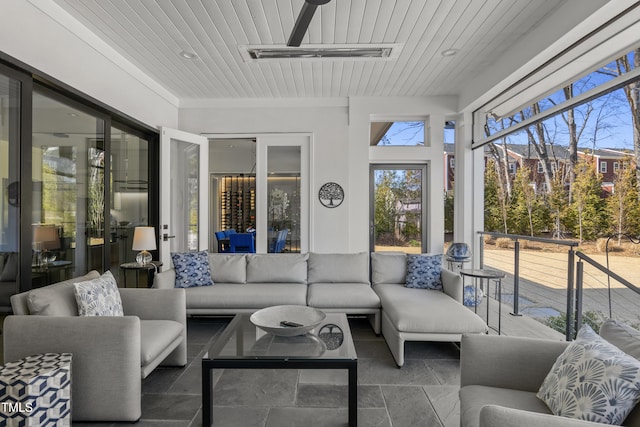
point(144, 240)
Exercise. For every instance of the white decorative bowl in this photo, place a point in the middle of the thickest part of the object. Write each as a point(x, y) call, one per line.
point(268, 319)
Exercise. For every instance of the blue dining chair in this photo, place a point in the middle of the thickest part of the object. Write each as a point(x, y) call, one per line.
point(242, 243)
point(223, 241)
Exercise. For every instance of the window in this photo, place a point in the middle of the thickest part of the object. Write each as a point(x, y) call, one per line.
point(397, 206)
point(452, 162)
point(393, 134)
point(512, 167)
point(616, 166)
point(603, 167)
point(540, 169)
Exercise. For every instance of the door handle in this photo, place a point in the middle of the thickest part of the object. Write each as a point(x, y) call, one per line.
point(166, 237)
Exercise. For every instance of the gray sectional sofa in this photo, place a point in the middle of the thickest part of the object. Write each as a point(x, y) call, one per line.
point(111, 355)
point(244, 283)
point(336, 283)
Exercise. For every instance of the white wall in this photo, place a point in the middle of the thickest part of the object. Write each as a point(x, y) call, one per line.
point(326, 120)
point(50, 46)
point(340, 152)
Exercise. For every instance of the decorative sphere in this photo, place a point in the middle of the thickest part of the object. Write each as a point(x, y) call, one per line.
point(470, 298)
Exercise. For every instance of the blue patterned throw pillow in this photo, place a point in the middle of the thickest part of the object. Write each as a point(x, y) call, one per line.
point(592, 380)
point(192, 269)
point(99, 297)
point(423, 271)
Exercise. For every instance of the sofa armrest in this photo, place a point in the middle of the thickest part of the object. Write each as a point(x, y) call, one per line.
point(165, 279)
point(106, 380)
point(499, 416)
point(155, 304)
point(452, 284)
point(507, 362)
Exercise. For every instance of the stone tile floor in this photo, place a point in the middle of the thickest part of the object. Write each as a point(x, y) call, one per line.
point(424, 392)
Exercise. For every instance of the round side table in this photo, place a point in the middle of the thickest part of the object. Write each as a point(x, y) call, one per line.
point(481, 275)
point(150, 268)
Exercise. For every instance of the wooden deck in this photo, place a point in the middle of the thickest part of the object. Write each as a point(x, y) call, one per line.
point(520, 326)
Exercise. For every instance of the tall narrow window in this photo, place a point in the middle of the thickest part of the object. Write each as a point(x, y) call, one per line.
point(398, 207)
point(283, 189)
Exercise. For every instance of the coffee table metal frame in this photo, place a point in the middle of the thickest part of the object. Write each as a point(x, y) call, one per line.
point(212, 361)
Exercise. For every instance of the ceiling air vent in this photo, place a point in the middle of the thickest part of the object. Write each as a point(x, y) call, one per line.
point(321, 52)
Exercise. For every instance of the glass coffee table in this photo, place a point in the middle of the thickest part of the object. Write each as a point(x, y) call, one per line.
point(245, 346)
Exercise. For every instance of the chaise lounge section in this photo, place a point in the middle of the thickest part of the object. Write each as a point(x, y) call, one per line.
point(410, 314)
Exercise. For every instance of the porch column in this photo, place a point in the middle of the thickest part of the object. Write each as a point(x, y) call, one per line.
point(468, 187)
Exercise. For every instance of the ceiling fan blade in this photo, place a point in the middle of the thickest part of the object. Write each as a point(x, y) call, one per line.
point(302, 23)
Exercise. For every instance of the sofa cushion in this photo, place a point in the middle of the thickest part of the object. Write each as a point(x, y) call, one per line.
point(57, 299)
point(423, 271)
point(592, 380)
point(388, 267)
point(155, 337)
point(99, 297)
point(622, 336)
point(338, 268)
point(228, 268)
point(427, 311)
point(277, 268)
point(192, 269)
point(247, 296)
point(342, 295)
point(474, 397)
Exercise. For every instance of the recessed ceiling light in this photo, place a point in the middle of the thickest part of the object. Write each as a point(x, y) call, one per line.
point(449, 52)
point(188, 55)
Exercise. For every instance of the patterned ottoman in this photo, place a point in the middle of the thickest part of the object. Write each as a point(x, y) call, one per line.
point(36, 391)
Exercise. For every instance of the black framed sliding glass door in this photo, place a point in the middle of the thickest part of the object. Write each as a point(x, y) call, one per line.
point(10, 104)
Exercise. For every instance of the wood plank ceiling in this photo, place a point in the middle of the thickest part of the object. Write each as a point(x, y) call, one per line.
point(151, 34)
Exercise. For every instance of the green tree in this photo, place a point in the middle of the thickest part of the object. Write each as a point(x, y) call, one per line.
point(385, 202)
point(495, 200)
point(448, 211)
point(528, 213)
point(587, 205)
point(556, 203)
point(622, 204)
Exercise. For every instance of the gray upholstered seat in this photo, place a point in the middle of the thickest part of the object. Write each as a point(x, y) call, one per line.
point(111, 355)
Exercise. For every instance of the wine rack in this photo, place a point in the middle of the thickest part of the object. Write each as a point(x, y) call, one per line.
point(237, 202)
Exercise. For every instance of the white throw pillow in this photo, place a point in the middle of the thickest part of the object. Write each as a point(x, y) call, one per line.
point(592, 380)
point(99, 297)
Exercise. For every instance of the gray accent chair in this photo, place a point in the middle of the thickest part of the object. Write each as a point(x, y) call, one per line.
point(500, 376)
point(111, 355)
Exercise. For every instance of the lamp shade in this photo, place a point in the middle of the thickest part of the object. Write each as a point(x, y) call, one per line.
point(46, 237)
point(144, 239)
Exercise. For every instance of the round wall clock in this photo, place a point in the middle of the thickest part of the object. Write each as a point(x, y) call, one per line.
point(331, 195)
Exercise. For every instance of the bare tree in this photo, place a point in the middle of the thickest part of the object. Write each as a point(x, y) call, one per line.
point(537, 138)
point(632, 92)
